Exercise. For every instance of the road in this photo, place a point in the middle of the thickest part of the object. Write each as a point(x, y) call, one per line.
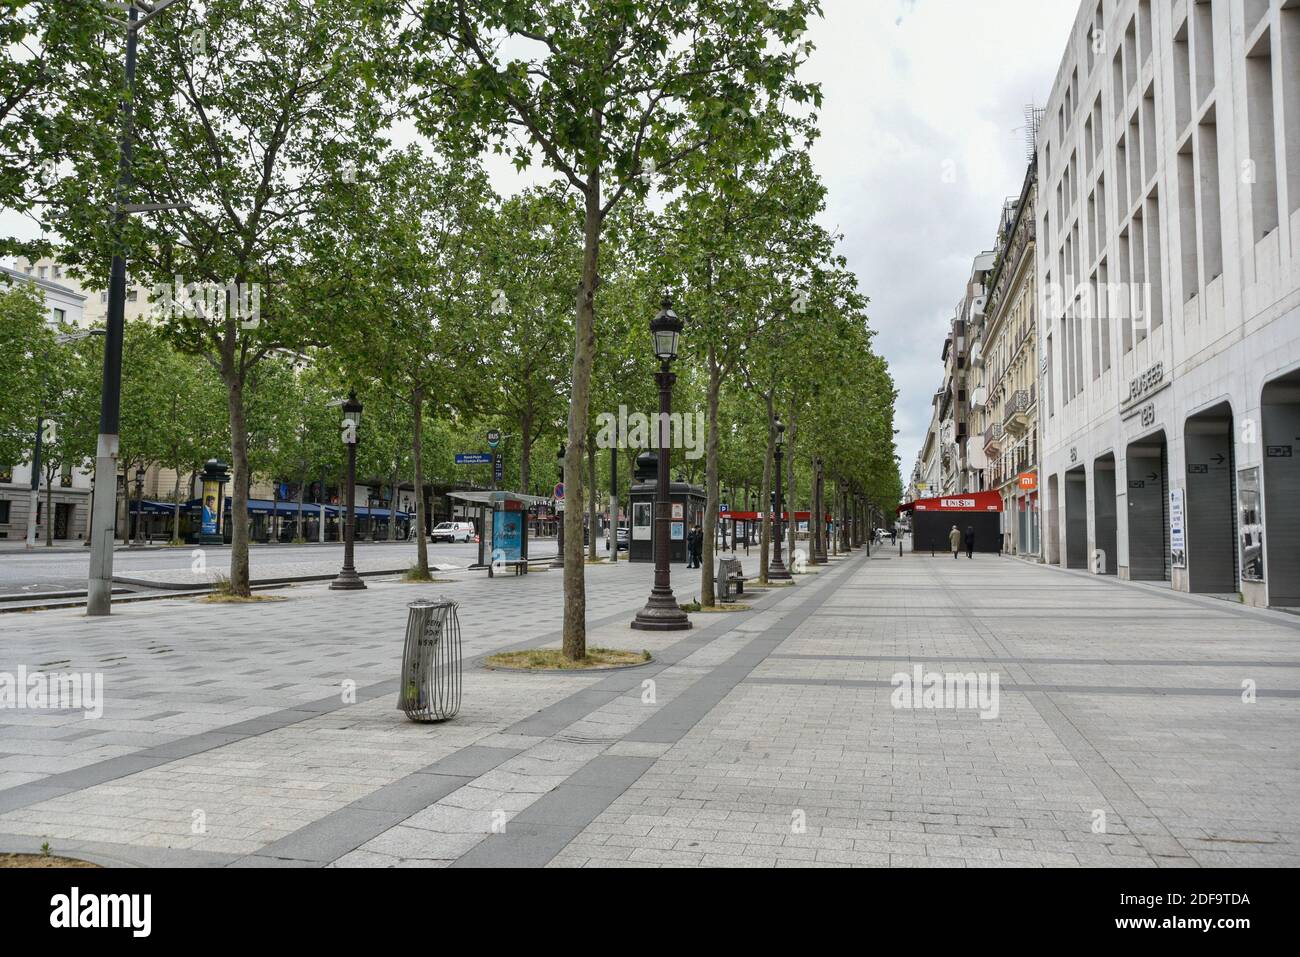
point(65, 569)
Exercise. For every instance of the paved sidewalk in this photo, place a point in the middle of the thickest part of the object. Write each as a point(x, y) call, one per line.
point(765, 738)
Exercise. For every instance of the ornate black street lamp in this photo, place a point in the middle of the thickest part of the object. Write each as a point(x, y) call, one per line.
point(347, 578)
point(661, 611)
point(139, 502)
point(778, 571)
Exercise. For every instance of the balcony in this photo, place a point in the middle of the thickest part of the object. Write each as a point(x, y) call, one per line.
point(993, 440)
point(1015, 418)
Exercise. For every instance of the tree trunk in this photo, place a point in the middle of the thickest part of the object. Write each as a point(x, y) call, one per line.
point(392, 506)
point(584, 350)
point(302, 495)
point(592, 554)
point(765, 498)
point(792, 527)
point(176, 510)
point(711, 493)
point(49, 509)
point(417, 465)
point(525, 452)
point(239, 572)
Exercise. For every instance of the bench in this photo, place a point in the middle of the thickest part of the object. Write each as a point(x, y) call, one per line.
point(520, 567)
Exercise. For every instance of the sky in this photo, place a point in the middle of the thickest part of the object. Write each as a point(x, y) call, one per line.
point(914, 88)
point(922, 142)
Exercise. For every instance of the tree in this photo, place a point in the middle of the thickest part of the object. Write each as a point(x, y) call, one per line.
point(610, 93)
point(743, 232)
point(174, 408)
point(404, 250)
point(25, 344)
point(47, 49)
point(247, 116)
point(532, 256)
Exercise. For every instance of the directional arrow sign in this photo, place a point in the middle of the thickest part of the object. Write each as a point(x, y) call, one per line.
point(1219, 459)
point(1152, 477)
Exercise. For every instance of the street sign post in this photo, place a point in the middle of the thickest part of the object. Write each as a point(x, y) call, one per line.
point(473, 458)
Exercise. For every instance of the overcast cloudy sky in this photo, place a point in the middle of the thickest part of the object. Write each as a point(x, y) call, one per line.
point(909, 85)
point(912, 85)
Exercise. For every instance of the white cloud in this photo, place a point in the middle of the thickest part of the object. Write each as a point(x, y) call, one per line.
point(909, 86)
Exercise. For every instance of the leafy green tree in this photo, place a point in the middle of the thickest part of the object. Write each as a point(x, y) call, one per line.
point(404, 250)
point(25, 344)
point(248, 115)
point(611, 94)
point(533, 255)
point(48, 48)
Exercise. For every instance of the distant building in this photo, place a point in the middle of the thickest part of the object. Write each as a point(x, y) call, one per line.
point(95, 307)
point(71, 489)
point(1004, 371)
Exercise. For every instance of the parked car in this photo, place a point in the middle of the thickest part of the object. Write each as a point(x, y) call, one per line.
point(453, 532)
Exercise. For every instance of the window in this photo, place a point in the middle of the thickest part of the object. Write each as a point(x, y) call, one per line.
point(4, 511)
point(1289, 47)
point(1261, 175)
point(1203, 47)
point(1187, 221)
point(1155, 265)
point(1182, 79)
point(60, 316)
point(1207, 162)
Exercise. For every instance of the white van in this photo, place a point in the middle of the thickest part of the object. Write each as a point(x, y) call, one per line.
point(453, 532)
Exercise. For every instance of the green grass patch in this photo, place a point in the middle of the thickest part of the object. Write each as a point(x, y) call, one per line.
point(552, 659)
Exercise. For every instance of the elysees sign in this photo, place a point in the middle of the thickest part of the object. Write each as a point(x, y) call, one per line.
point(1148, 383)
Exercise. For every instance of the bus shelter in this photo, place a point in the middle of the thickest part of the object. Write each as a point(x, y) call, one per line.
point(503, 525)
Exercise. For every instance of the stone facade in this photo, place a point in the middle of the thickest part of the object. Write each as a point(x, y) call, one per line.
point(1169, 264)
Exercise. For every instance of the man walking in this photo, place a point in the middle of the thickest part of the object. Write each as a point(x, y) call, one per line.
point(954, 539)
point(694, 545)
point(970, 541)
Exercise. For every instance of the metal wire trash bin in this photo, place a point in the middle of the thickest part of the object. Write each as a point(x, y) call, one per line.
point(431, 662)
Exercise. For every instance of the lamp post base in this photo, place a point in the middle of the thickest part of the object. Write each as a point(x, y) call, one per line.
point(777, 572)
point(347, 580)
point(661, 613)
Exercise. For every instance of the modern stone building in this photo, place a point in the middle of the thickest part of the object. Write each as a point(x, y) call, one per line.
point(1169, 266)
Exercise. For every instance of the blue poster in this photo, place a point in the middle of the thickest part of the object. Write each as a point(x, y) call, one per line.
point(507, 536)
point(679, 531)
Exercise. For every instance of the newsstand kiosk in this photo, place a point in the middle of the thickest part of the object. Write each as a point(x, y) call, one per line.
point(933, 519)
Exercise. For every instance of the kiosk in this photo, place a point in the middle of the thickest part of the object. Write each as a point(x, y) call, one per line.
point(687, 504)
point(933, 519)
point(503, 528)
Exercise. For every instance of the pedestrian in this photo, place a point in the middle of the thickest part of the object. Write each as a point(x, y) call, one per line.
point(694, 545)
point(893, 535)
point(954, 539)
point(970, 541)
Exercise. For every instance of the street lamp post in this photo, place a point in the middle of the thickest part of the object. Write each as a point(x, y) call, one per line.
point(559, 505)
point(749, 522)
point(661, 611)
point(778, 571)
point(819, 507)
point(139, 502)
point(348, 579)
point(99, 585)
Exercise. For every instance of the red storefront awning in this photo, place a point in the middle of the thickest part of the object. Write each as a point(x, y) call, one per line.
point(964, 502)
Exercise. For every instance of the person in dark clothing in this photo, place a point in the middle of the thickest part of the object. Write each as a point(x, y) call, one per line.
point(694, 547)
point(970, 541)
